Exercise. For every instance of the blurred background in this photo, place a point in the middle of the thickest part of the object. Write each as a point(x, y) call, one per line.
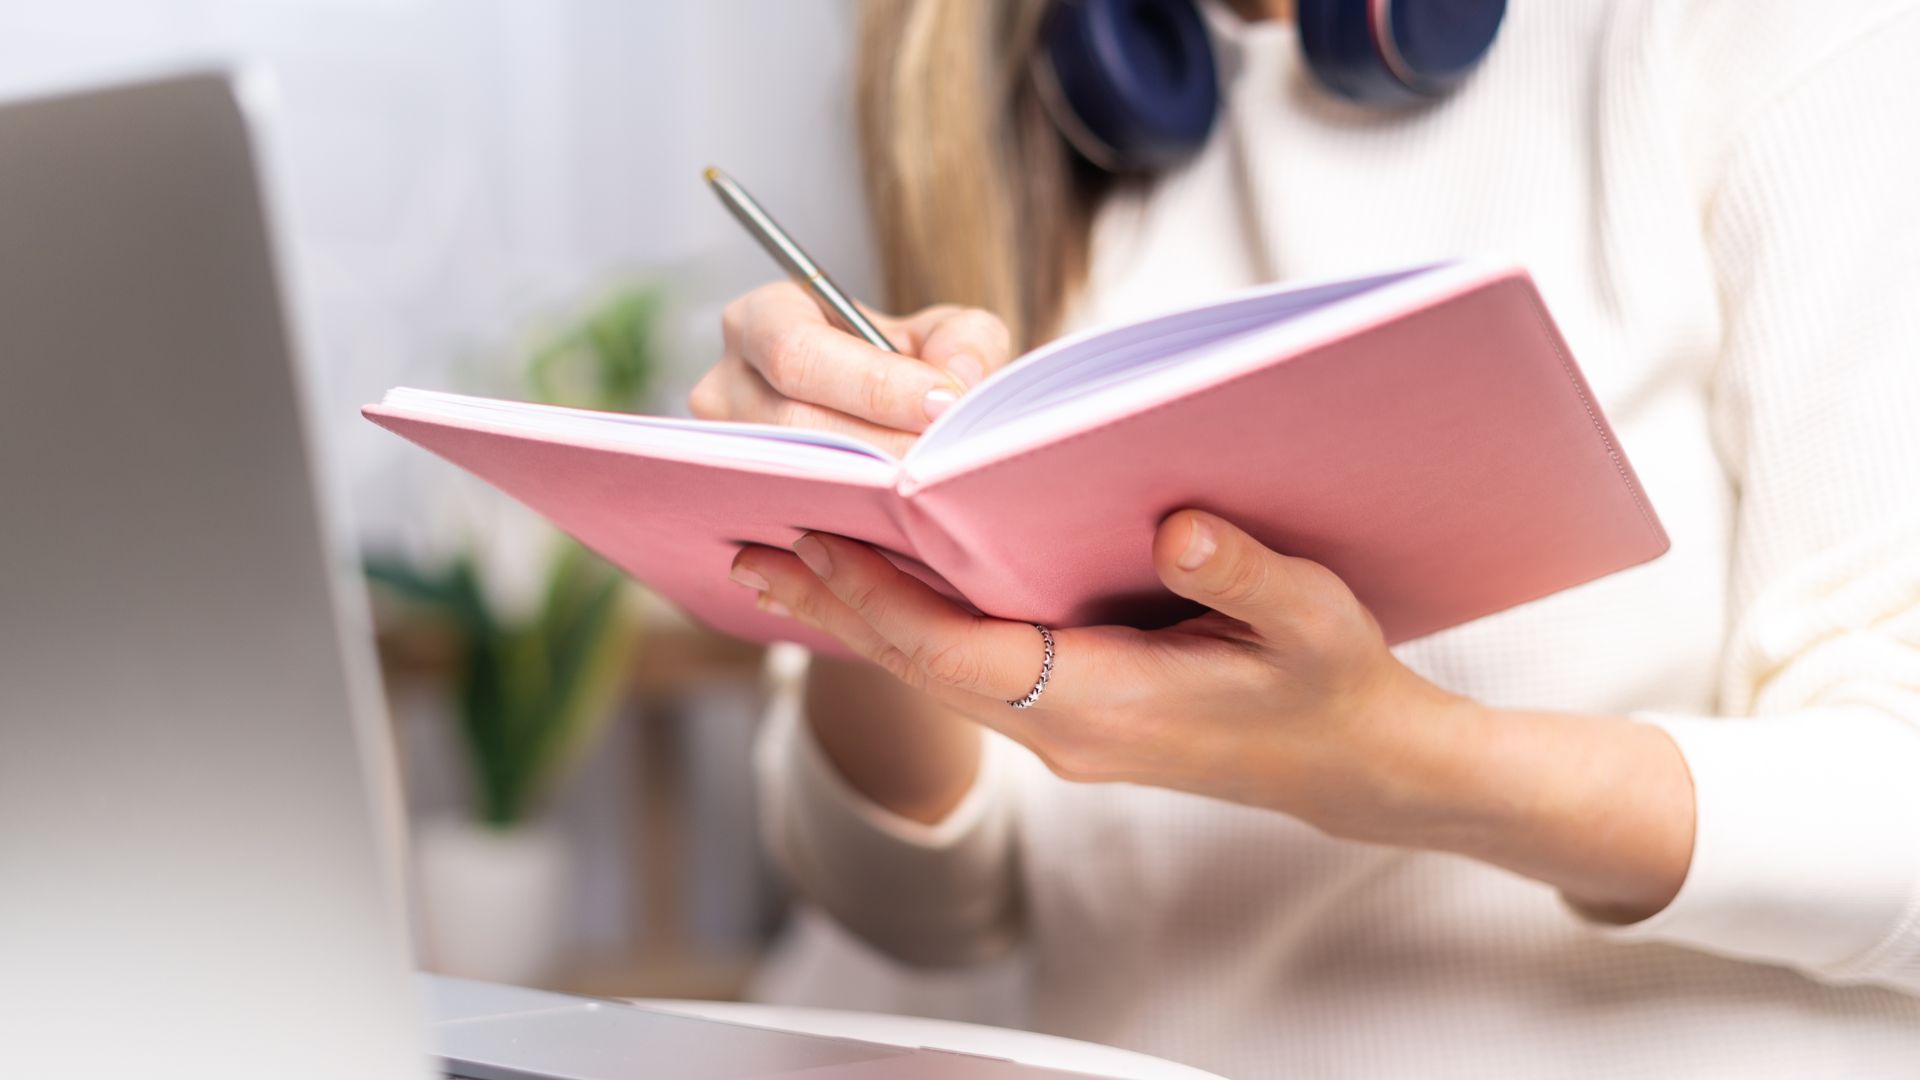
point(504, 197)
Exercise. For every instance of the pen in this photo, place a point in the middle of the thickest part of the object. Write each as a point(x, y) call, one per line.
point(795, 261)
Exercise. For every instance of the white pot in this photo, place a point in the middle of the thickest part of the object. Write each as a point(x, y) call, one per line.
point(491, 902)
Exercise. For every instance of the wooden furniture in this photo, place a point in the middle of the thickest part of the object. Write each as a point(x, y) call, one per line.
point(673, 661)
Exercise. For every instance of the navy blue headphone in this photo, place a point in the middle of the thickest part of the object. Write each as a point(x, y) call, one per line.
point(1133, 87)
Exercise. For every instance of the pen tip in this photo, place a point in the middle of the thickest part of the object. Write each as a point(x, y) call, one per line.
point(712, 174)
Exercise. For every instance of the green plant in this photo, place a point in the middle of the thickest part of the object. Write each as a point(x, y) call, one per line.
point(532, 692)
point(605, 361)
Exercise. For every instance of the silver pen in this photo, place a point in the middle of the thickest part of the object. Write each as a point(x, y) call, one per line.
point(795, 261)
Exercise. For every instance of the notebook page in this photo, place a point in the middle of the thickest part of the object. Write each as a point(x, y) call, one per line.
point(1091, 361)
point(762, 444)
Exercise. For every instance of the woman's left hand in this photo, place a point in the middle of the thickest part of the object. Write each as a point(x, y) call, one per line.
point(1283, 695)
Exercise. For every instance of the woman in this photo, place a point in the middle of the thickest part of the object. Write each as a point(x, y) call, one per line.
point(1664, 824)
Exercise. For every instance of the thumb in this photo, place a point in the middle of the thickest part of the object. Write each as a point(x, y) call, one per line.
point(1203, 558)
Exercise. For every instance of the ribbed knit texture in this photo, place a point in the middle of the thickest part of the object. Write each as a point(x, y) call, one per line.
point(1721, 202)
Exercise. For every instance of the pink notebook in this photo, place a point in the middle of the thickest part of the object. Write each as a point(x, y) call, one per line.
point(1424, 433)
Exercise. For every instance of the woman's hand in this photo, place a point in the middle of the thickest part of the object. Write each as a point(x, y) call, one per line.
point(786, 364)
point(1283, 696)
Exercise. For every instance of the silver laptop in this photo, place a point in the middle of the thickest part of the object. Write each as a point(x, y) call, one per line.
point(198, 815)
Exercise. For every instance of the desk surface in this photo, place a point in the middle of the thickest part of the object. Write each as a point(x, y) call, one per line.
point(454, 1000)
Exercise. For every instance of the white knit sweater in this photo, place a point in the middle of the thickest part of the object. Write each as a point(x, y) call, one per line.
point(1721, 202)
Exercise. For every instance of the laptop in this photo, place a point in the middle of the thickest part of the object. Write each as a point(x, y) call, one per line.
point(199, 822)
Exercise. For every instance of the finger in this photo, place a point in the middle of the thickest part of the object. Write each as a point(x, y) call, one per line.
point(1203, 557)
point(786, 582)
point(733, 390)
point(967, 343)
point(953, 647)
point(710, 398)
point(784, 336)
point(787, 588)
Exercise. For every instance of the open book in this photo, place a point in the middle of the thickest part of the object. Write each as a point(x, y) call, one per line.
point(1423, 433)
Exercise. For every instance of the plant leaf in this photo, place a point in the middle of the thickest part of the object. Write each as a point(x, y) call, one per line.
point(589, 639)
point(407, 582)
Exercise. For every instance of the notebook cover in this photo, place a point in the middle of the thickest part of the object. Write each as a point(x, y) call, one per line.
point(1448, 463)
point(673, 524)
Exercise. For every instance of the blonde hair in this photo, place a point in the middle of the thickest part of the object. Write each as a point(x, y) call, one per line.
point(975, 198)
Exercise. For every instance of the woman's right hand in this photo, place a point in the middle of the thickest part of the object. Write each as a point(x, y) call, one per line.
point(786, 364)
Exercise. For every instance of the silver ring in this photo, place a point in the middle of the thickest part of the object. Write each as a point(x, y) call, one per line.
point(1046, 671)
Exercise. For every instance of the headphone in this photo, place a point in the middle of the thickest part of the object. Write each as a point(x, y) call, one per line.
point(1132, 85)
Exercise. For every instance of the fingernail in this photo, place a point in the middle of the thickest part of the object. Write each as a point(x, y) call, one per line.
point(748, 578)
point(773, 607)
point(1200, 546)
point(967, 368)
point(814, 554)
point(939, 400)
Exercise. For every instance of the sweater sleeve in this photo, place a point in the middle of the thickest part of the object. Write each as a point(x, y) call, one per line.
point(1807, 844)
point(927, 895)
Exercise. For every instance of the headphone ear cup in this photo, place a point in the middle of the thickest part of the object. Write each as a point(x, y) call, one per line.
point(1131, 84)
point(1396, 52)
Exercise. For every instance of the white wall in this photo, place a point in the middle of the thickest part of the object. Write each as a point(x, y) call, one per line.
point(451, 175)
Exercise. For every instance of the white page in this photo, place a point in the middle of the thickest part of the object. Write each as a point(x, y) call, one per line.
point(1052, 380)
point(1086, 363)
point(1146, 380)
point(763, 444)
